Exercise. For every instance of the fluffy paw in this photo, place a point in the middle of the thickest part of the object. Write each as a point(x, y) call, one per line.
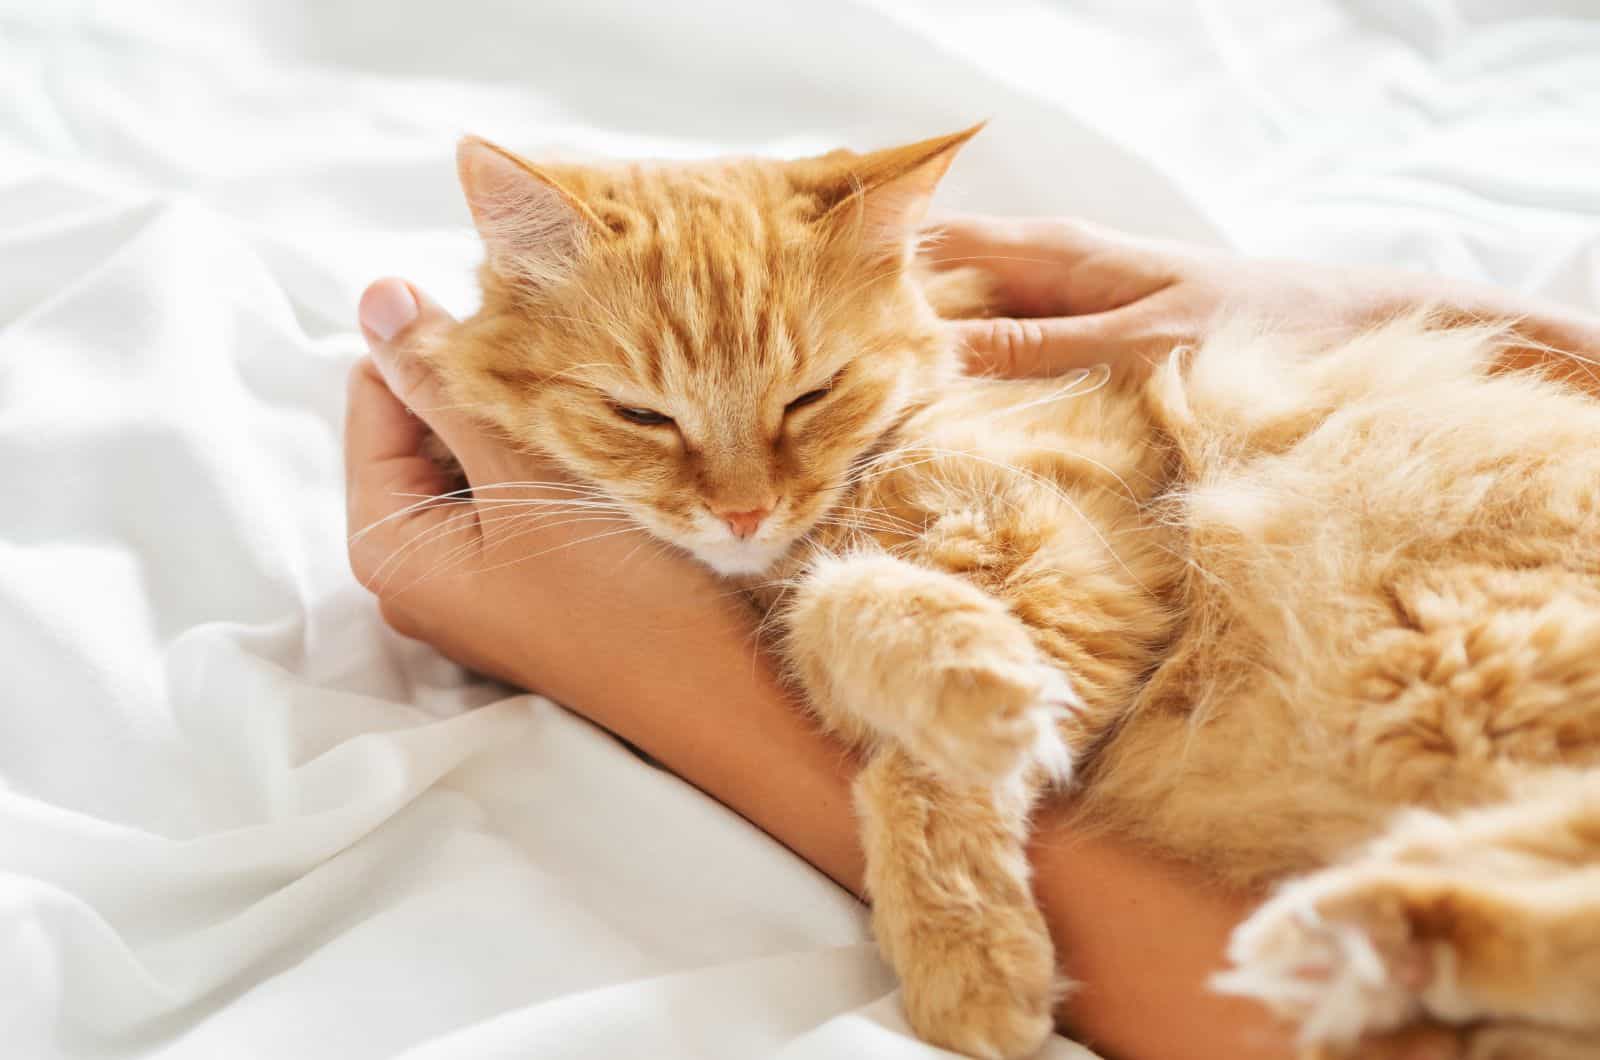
point(985, 994)
point(1338, 954)
point(993, 718)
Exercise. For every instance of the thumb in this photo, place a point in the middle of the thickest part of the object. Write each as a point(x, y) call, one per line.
point(401, 325)
point(1045, 346)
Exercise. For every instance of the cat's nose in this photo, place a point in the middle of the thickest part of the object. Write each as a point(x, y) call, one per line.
point(745, 524)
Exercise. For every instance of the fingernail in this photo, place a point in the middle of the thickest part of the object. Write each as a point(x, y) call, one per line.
point(387, 308)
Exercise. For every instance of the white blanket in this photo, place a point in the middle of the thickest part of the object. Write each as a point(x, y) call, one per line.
point(240, 818)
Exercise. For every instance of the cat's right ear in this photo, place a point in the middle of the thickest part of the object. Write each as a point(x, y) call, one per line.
point(530, 224)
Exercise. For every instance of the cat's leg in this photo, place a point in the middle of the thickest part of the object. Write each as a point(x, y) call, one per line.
point(948, 876)
point(1490, 915)
point(964, 713)
point(887, 648)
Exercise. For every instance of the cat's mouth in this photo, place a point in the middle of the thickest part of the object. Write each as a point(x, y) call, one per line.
point(708, 540)
point(712, 542)
point(734, 557)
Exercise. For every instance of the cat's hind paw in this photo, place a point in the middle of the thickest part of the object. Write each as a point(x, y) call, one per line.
point(1341, 962)
point(1488, 916)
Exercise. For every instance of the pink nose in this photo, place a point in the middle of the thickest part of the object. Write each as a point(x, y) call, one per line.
point(744, 524)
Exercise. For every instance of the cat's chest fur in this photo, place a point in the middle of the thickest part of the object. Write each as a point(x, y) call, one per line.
point(1042, 493)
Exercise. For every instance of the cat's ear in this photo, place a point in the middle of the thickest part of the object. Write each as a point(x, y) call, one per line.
point(885, 194)
point(530, 223)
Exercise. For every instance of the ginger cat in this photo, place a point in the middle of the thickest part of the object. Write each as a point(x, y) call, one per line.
point(1328, 618)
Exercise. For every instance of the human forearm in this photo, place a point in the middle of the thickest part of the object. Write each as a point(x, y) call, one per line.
point(696, 696)
point(1069, 294)
point(1142, 938)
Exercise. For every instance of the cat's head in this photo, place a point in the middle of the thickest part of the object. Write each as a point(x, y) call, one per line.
point(716, 345)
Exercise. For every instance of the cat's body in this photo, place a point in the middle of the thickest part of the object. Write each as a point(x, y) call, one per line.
point(1254, 606)
point(1296, 589)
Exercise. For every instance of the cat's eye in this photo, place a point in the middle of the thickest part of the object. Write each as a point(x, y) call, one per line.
point(810, 397)
point(643, 417)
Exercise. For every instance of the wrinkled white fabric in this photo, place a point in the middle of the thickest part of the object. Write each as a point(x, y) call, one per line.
point(239, 818)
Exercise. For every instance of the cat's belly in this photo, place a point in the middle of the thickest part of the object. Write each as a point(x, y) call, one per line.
point(1305, 632)
point(1395, 607)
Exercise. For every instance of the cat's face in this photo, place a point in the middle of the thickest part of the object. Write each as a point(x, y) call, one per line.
point(716, 346)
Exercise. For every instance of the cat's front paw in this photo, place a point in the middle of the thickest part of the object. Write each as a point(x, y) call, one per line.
point(987, 992)
point(993, 716)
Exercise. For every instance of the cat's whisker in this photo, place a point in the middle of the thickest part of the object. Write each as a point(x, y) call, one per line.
point(499, 539)
point(865, 523)
point(514, 527)
point(557, 486)
point(1055, 490)
point(575, 369)
point(843, 508)
point(564, 545)
point(857, 476)
point(476, 519)
point(848, 507)
point(942, 454)
point(496, 503)
point(772, 615)
point(466, 522)
point(475, 543)
point(466, 494)
point(662, 547)
point(1098, 376)
point(434, 500)
point(859, 522)
point(462, 521)
point(555, 502)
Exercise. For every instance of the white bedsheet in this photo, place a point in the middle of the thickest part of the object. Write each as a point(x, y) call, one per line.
point(240, 819)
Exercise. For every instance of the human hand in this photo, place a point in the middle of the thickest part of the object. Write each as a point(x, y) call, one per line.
point(1072, 294)
point(526, 577)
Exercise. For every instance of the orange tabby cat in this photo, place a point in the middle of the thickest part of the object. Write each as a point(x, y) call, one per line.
point(1259, 605)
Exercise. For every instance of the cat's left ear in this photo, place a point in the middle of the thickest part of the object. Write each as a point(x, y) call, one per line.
point(885, 194)
point(530, 222)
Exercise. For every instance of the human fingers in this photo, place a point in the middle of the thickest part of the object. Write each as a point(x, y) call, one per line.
point(388, 479)
point(400, 324)
point(1055, 267)
point(1129, 339)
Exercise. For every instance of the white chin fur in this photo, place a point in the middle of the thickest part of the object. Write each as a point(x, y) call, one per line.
point(735, 559)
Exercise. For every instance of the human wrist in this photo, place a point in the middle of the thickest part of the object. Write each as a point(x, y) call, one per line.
point(1158, 930)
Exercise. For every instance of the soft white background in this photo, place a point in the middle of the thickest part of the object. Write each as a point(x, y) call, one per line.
point(237, 817)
